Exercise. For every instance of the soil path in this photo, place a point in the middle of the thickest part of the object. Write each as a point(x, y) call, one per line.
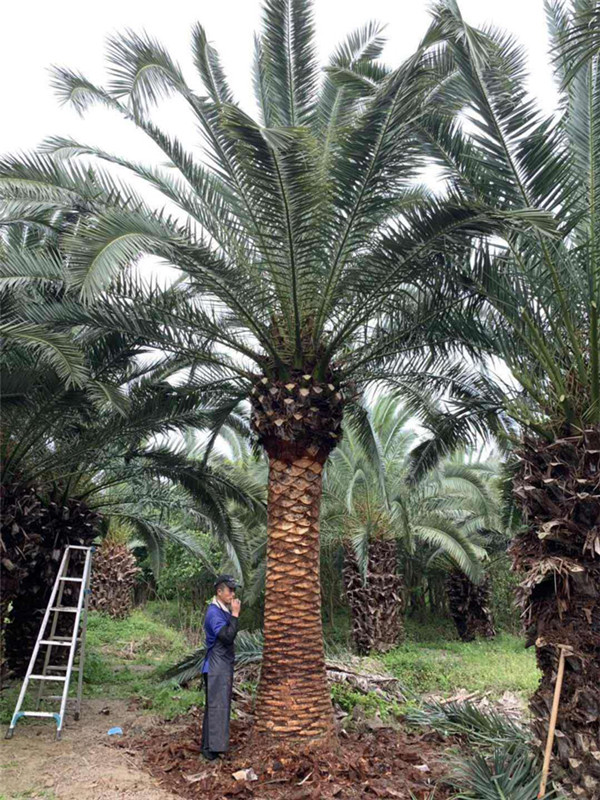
point(84, 765)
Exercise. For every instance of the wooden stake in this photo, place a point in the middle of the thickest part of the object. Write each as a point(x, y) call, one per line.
point(552, 726)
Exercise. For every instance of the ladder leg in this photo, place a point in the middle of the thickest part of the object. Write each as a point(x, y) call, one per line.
point(55, 614)
point(82, 596)
point(86, 591)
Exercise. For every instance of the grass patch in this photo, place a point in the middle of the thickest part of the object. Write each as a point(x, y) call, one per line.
point(125, 659)
point(496, 665)
point(371, 703)
point(430, 629)
point(138, 639)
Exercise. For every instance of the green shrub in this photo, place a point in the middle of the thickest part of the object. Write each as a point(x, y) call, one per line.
point(185, 577)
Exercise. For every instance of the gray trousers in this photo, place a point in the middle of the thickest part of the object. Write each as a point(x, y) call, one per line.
point(217, 710)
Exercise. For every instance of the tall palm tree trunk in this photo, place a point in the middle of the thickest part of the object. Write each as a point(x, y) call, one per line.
point(375, 604)
point(293, 697)
point(558, 488)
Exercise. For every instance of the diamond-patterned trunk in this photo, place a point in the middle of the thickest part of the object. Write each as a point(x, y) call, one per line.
point(298, 422)
point(375, 604)
point(293, 698)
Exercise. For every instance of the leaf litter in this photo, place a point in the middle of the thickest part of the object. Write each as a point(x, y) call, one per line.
point(387, 762)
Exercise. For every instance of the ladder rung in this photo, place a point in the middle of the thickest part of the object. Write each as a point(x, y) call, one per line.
point(48, 677)
point(53, 641)
point(66, 638)
point(62, 667)
point(77, 580)
point(37, 714)
point(77, 547)
point(55, 697)
point(70, 609)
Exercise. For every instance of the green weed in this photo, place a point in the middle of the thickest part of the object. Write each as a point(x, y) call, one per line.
point(495, 665)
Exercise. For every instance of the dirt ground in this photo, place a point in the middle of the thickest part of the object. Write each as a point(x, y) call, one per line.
point(85, 764)
point(153, 757)
point(157, 760)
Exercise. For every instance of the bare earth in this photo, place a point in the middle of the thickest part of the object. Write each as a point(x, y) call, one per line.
point(83, 765)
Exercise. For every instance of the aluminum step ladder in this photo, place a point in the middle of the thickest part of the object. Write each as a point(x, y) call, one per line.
point(48, 673)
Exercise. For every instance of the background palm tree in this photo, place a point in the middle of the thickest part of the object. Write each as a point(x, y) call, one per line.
point(467, 490)
point(389, 529)
point(541, 310)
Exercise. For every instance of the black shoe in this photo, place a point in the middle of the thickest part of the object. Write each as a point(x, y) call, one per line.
point(209, 755)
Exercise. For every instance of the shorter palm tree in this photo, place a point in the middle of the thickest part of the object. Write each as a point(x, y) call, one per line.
point(382, 523)
point(466, 489)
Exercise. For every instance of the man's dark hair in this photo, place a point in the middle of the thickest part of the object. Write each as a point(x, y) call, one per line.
point(228, 580)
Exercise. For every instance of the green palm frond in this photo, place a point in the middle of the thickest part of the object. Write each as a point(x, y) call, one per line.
point(509, 773)
point(209, 66)
point(141, 70)
point(248, 650)
point(56, 349)
point(447, 538)
point(289, 61)
point(483, 728)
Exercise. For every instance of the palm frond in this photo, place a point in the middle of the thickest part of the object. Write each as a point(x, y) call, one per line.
point(509, 773)
point(289, 60)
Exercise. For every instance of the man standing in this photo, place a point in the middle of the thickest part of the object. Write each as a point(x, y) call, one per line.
point(220, 626)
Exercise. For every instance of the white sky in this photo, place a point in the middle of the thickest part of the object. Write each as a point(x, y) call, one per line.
point(38, 33)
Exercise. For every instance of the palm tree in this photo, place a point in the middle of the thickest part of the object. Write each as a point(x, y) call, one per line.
point(542, 301)
point(467, 491)
point(382, 523)
point(312, 265)
point(82, 410)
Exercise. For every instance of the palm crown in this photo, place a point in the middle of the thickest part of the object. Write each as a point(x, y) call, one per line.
point(541, 294)
point(307, 246)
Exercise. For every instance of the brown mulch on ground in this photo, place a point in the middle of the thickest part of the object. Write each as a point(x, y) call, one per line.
point(381, 763)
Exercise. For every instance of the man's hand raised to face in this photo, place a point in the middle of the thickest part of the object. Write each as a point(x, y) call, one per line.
point(236, 606)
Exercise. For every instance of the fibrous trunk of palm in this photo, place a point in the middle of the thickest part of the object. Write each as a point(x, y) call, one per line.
point(375, 600)
point(21, 512)
point(469, 605)
point(558, 489)
point(298, 423)
point(113, 578)
point(55, 524)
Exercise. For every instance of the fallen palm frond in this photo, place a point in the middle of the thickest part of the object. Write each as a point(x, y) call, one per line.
point(508, 775)
point(480, 727)
point(248, 650)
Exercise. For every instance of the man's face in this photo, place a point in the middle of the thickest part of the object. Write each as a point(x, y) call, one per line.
point(225, 594)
